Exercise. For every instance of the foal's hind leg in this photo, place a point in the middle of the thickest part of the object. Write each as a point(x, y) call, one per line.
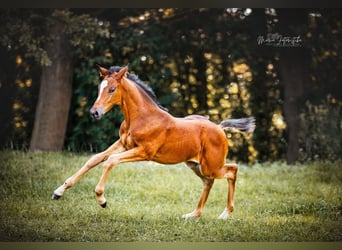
point(92, 162)
point(229, 171)
point(207, 184)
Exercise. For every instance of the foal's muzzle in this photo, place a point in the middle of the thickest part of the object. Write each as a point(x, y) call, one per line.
point(97, 113)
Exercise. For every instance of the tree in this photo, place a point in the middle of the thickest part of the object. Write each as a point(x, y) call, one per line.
point(7, 74)
point(68, 30)
point(294, 69)
point(54, 38)
point(55, 93)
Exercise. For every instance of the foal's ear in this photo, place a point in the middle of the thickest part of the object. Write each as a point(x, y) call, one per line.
point(121, 73)
point(103, 71)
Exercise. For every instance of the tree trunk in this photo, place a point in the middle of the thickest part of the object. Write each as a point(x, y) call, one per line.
point(294, 69)
point(54, 95)
point(7, 97)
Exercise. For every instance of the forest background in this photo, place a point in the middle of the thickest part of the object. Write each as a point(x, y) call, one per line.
point(282, 66)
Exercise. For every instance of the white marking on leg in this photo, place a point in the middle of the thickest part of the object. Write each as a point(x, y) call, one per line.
point(60, 190)
point(224, 215)
point(191, 215)
point(103, 84)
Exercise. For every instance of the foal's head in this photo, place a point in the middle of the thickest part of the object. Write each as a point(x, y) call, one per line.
point(108, 95)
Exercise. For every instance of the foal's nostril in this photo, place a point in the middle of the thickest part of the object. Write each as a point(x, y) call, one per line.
point(95, 113)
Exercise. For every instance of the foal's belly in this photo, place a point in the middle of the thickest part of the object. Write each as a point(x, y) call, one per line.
point(179, 149)
point(182, 143)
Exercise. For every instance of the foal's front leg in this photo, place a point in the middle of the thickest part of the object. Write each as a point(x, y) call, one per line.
point(134, 154)
point(96, 159)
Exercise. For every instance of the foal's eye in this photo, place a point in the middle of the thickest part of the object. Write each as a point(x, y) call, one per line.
point(111, 90)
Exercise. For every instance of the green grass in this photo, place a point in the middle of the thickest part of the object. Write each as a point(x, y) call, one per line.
point(274, 202)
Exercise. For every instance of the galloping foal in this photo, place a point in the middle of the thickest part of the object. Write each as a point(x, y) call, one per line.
point(150, 133)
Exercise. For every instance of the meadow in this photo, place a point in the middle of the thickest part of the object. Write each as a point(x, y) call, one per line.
point(273, 203)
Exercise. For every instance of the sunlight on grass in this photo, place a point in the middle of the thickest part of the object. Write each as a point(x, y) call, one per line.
point(274, 202)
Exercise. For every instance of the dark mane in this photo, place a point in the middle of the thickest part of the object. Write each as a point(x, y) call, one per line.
point(143, 86)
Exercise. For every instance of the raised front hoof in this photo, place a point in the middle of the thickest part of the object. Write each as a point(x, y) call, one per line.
point(103, 204)
point(55, 197)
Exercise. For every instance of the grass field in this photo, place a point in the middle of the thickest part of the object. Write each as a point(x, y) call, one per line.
point(274, 202)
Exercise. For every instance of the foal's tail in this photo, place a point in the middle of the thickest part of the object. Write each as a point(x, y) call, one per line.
point(243, 124)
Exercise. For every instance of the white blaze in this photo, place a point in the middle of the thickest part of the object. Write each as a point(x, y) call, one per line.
point(103, 84)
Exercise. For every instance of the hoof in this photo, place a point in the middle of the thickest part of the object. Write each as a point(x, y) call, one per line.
point(225, 214)
point(191, 215)
point(103, 205)
point(55, 197)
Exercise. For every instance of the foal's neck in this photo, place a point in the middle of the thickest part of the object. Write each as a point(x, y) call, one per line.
point(136, 105)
